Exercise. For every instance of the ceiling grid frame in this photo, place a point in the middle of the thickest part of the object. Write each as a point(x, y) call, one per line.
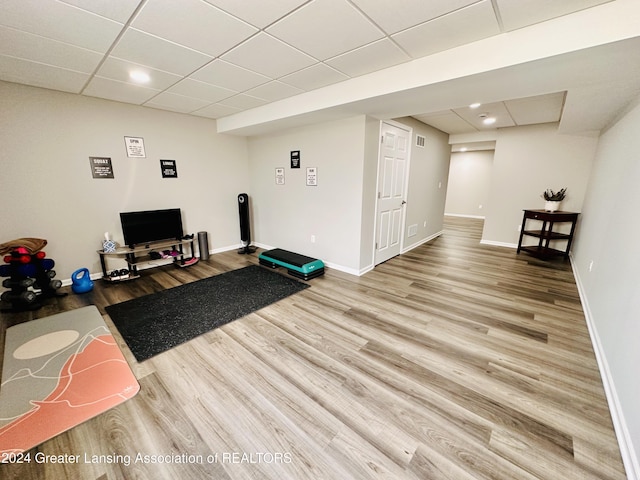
point(322, 72)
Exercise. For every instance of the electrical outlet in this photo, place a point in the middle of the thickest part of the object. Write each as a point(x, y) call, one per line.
point(313, 239)
point(591, 265)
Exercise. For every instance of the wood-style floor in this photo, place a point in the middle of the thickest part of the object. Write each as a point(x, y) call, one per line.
point(453, 361)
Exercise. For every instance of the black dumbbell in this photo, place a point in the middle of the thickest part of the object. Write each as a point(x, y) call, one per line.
point(23, 283)
point(23, 297)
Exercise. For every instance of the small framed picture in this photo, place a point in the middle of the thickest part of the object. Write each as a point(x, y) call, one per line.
point(101, 167)
point(295, 159)
point(312, 176)
point(169, 169)
point(135, 147)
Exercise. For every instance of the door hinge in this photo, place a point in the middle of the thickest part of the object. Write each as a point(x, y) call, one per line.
point(379, 194)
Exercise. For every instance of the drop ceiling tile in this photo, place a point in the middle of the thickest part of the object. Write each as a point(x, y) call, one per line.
point(205, 91)
point(176, 103)
point(19, 44)
point(242, 101)
point(118, 91)
point(527, 12)
point(268, 56)
point(497, 110)
point(273, 91)
point(393, 17)
point(117, 69)
point(194, 24)
point(315, 76)
point(370, 58)
point(261, 13)
point(229, 76)
point(462, 26)
point(326, 28)
point(39, 75)
point(215, 111)
point(118, 10)
point(144, 49)
point(538, 109)
point(55, 44)
point(447, 122)
point(71, 25)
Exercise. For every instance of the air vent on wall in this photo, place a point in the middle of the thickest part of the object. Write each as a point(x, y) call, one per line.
point(420, 141)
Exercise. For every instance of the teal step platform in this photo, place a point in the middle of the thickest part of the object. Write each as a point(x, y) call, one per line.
point(297, 265)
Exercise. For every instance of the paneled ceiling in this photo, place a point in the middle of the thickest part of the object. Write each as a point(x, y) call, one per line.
point(216, 58)
point(508, 113)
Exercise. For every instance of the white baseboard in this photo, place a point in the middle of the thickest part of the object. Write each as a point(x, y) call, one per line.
point(421, 242)
point(225, 249)
point(625, 442)
point(260, 245)
point(341, 268)
point(481, 217)
point(499, 244)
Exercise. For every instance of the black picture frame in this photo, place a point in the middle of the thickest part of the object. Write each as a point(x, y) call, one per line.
point(169, 169)
point(295, 159)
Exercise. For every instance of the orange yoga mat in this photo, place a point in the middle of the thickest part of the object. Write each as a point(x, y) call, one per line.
point(58, 372)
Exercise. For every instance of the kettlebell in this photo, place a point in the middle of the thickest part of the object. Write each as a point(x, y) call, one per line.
point(81, 281)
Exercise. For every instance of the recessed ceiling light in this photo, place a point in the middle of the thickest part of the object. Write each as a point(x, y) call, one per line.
point(489, 120)
point(475, 105)
point(139, 76)
point(463, 149)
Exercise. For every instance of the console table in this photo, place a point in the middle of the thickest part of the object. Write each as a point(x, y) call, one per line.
point(142, 254)
point(546, 234)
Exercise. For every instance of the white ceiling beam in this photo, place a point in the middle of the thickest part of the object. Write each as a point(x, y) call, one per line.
point(487, 136)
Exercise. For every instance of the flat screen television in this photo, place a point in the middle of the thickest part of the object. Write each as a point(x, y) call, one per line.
point(148, 226)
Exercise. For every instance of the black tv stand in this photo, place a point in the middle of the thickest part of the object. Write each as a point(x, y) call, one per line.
point(139, 254)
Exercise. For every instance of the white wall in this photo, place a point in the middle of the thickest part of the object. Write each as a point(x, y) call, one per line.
point(469, 182)
point(47, 191)
point(46, 186)
point(610, 290)
point(427, 188)
point(527, 161)
point(340, 211)
point(369, 193)
point(287, 216)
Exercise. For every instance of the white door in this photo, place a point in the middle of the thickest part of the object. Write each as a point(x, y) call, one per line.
point(393, 170)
